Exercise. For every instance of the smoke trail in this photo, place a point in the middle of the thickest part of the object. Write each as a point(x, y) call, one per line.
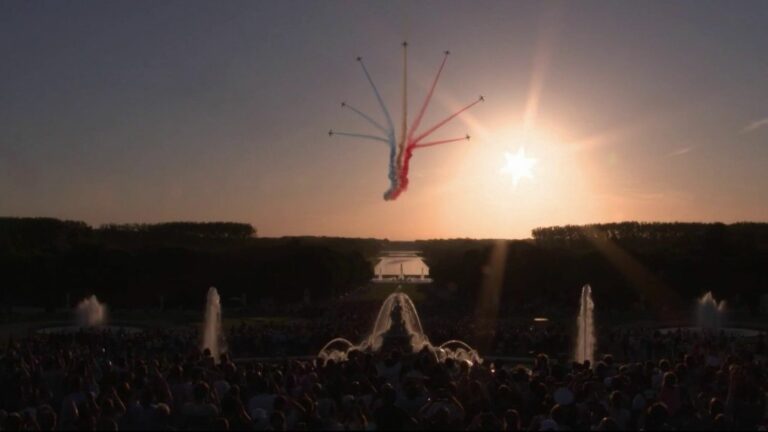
point(420, 115)
point(401, 151)
point(402, 183)
point(404, 125)
point(394, 178)
point(446, 120)
point(365, 116)
point(435, 143)
point(393, 169)
point(358, 135)
point(378, 95)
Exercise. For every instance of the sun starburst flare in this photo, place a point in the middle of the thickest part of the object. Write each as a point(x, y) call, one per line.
point(518, 165)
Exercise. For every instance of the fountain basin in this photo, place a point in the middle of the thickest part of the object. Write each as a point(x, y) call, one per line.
point(730, 331)
point(76, 329)
point(398, 328)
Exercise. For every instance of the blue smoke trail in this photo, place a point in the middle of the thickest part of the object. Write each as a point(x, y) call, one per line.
point(393, 175)
point(358, 135)
point(365, 116)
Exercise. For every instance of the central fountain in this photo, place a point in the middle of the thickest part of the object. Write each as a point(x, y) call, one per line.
point(398, 328)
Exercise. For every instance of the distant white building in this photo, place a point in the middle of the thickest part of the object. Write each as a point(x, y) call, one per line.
point(399, 266)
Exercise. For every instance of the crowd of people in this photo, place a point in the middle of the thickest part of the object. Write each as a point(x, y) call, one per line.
point(159, 379)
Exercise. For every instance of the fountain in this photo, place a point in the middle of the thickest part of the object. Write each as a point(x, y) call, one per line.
point(709, 313)
point(398, 328)
point(585, 342)
point(710, 319)
point(91, 313)
point(213, 338)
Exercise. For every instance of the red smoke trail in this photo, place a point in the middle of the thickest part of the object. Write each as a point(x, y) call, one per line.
point(442, 123)
point(401, 151)
point(417, 120)
point(402, 184)
point(435, 143)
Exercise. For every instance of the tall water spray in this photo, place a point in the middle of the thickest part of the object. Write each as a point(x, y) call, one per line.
point(398, 324)
point(213, 338)
point(383, 323)
point(91, 313)
point(585, 342)
point(709, 313)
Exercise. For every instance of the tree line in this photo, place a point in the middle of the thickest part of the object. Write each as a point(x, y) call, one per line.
point(655, 268)
point(45, 261)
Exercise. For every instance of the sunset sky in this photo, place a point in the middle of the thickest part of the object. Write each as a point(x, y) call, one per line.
point(126, 111)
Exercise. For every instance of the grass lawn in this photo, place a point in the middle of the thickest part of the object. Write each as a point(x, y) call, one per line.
point(378, 292)
point(255, 321)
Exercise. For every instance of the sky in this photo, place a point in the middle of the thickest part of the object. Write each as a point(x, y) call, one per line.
point(124, 111)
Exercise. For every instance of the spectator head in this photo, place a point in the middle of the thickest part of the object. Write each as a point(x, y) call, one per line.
point(720, 423)
point(46, 418)
point(716, 407)
point(259, 385)
point(260, 419)
point(542, 361)
point(277, 421)
point(681, 370)
point(608, 424)
point(13, 422)
point(388, 394)
point(326, 409)
point(106, 424)
point(689, 361)
point(670, 380)
point(279, 404)
point(608, 360)
point(108, 407)
point(616, 400)
point(558, 414)
point(548, 425)
point(161, 416)
point(201, 392)
point(601, 369)
point(440, 419)
point(512, 419)
point(488, 421)
point(220, 424)
point(657, 416)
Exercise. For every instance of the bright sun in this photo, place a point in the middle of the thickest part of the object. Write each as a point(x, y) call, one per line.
point(518, 165)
